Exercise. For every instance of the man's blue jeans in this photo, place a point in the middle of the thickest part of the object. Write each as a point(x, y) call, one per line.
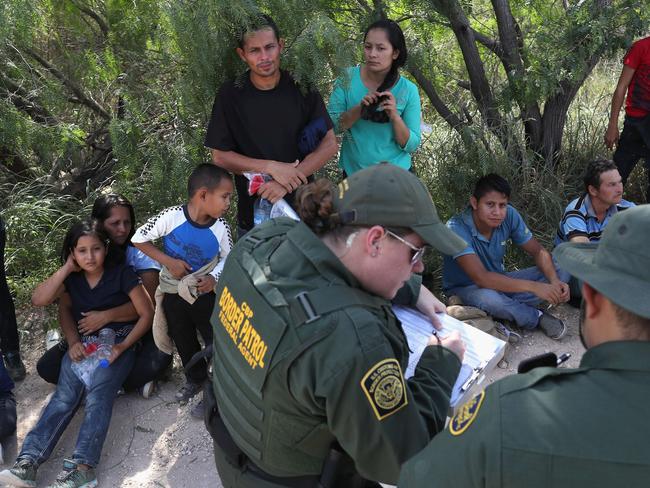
point(520, 308)
point(57, 414)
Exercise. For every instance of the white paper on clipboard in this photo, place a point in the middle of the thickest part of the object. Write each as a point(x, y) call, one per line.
point(480, 347)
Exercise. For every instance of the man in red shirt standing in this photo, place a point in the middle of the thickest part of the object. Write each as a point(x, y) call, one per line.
point(634, 141)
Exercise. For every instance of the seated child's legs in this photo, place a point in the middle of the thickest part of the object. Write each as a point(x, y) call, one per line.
point(99, 407)
point(56, 415)
point(498, 305)
point(7, 414)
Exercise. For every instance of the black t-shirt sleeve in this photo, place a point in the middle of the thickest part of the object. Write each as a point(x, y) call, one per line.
point(129, 279)
point(218, 135)
point(318, 123)
point(317, 108)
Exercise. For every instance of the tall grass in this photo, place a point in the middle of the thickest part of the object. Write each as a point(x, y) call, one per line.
point(36, 218)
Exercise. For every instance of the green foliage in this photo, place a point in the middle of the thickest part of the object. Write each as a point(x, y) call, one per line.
point(125, 100)
point(36, 222)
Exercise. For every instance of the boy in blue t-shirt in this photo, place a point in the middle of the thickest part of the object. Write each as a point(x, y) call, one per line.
point(477, 274)
point(194, 237)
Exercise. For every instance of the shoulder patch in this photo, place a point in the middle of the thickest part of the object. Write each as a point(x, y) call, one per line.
point(466, 415)
point(384, 386)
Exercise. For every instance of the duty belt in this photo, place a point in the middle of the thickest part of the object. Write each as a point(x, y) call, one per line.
point(235, 456)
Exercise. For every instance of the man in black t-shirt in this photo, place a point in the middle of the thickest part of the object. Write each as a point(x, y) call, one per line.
point(264, 123)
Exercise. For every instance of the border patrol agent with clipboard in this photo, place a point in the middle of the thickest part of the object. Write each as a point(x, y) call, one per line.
point(308, 355)
point(582, 427)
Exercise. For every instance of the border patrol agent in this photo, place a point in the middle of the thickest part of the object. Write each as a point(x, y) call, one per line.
point(584, 427)
point(308, 355)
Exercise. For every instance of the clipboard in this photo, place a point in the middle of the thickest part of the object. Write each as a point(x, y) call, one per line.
point(483, 351)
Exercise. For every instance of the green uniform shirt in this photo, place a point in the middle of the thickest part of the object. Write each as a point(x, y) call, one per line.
point(342, 382)
point(585, 427)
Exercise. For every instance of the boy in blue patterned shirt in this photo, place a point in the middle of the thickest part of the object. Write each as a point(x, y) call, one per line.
point(195, 238)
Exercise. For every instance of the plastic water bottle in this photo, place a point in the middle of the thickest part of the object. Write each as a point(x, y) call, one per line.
point(85, 368)
point(261, 211)
point(52, 338)
point(105, 345)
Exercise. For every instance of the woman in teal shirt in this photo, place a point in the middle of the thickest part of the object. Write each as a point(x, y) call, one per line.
point(377, 110)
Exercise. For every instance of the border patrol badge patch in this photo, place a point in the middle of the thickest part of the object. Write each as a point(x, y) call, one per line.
point(384, 386)
point(466, 415)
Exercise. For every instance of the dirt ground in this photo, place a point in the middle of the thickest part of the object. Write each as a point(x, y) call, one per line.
point(156, 443)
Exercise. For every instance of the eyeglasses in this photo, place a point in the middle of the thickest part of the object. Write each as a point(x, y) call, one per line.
point(418, 252)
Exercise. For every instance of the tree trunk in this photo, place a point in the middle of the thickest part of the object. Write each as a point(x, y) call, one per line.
point(479, 84)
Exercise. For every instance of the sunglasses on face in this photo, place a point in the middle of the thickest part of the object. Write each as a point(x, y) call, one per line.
point(418, 252)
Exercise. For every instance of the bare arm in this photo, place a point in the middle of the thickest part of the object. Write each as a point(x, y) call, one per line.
point(274, 191)
point(429, 305)
point(94, 320)
point(400, 131)
point(143, 306)
point(349, 118)
point(288, 175)
point(69, 328)
point(52, 288)
point(150, 280)
point(579, 239)
point(611, 135)
point(543, 260)
point(316, 159)
point(177, 267)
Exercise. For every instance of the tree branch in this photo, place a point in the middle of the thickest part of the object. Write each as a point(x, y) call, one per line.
point(72, 86)
point(26, 103)
point(513, 64)
point(364, 6)
point(452, 119)
point(492, 44)
point(379, 8)
point(480, 86)
point(103, 26)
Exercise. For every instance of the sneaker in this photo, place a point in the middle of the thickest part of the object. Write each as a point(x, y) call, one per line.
point(14, 365)
point(552, 326)
point(507, 333)
point(71, 477)
point(148, 389)
point(187, 391)
point(198, 410)
point(22, 474)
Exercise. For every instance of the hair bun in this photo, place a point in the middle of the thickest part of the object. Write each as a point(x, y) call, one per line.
point(314, 202)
